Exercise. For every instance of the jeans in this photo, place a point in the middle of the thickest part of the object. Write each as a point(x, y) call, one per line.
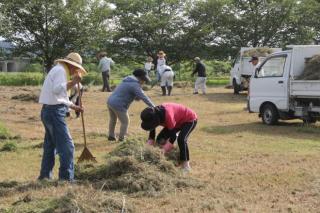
point(57, 140)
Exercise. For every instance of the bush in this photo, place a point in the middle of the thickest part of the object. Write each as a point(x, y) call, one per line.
point(35, 67)
point(21, 79)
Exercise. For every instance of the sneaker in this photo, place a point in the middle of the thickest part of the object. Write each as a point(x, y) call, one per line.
point(186, 169)
point(110, 138)
point(121, 139)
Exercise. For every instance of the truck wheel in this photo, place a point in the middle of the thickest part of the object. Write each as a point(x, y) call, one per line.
point(270, 114)
point(309, 120)
point(236, 87)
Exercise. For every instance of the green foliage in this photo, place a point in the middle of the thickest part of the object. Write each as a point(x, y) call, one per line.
point(21, 79)
point(4, 133)
point(35, 67)
point(53, 28)
point(10, 146)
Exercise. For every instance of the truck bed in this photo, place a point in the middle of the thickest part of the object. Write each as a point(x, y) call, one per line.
point(305, 88)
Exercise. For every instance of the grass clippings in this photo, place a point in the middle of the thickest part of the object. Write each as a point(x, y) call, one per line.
point(136, 169)
point(258, 52)
point(311, 70)
point(26, 97)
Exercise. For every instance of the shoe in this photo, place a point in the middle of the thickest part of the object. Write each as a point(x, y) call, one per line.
point(121, 139)
point(195, 93)
point(110, 138)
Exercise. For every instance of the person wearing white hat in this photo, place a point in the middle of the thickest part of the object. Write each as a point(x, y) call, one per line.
point(66, 73)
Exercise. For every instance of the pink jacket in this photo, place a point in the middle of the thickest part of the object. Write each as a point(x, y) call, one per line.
point(176, 115)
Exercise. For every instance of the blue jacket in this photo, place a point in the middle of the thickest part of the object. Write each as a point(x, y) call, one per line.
point(126, 92)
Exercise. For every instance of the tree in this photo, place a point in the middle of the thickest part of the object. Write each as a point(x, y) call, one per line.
point(52, 28)
point(145, 27)
point(232, 24)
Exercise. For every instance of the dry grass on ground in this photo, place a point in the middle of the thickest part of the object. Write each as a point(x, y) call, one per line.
point(243, 165)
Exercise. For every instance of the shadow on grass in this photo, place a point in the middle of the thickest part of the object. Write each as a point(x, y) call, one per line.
point(295, 130)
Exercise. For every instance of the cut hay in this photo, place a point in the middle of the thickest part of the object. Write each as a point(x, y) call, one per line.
point(312, 69)
point(258, 52)
point(137, 169)
point(26, 97)
point(182, 84)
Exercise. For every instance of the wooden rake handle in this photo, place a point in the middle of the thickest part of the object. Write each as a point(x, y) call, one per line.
point(82, 117)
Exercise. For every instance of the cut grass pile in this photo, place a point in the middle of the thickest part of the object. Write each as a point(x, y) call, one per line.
point(134, 168)
point(312, 69)
point(258, 52)
point(26, 97)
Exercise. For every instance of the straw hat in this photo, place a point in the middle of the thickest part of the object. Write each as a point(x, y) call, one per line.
point(75, 60)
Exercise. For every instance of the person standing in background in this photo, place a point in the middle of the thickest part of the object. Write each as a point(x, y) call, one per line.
point(161, 62)
point(202, 76)
point(104, 66)
point(148, 66)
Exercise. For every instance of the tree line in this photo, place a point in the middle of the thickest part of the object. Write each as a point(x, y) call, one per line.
point(132, 29)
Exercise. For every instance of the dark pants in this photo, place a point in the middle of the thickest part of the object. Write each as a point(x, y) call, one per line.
point(105, 78)
point(57, 140)
point(184, 133)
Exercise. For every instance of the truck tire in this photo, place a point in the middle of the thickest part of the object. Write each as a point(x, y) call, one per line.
point(236, 87)
point(269, 114)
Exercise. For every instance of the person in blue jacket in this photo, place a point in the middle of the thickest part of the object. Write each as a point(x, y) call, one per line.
point(118, 103)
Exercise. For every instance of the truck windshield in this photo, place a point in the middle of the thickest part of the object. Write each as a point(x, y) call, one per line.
point(273, 67)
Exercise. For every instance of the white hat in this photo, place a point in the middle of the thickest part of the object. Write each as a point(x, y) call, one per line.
point(197, 59)
point(75, 60)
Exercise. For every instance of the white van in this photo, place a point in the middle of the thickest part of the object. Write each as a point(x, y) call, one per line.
point(242, 70)
point(275, 94)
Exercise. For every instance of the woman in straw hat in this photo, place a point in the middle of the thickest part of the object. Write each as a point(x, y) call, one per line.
point(55, 102)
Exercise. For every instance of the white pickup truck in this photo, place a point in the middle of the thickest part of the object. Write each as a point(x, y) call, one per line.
point(242, 70)
point(275, 94)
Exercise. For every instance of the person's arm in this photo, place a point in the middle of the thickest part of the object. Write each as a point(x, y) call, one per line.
point(195, 70)
point(152, 135)
point(100, 64)
point(140, 94)
point(111, 61)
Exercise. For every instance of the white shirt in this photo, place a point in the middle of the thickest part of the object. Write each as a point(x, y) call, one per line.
point(105, 64)
point(54, 89)
point(160, 63)
point(148, 66)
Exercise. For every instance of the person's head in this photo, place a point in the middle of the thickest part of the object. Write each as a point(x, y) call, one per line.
point(254, 60)
point(197, 59)
point(149, 59)
point(74, 63)
point(141, 75)
point(161, 54)
point(150, 119)
point(102, 54)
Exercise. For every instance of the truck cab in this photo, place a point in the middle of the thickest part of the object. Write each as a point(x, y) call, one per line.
point(276, 94)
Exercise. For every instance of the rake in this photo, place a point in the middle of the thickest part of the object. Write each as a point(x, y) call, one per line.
point(86, 154)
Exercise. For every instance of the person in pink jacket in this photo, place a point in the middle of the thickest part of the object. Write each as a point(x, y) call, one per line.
point(174, 118)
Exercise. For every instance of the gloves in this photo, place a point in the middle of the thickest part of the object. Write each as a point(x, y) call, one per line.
point(151, 142)
point(167, 147)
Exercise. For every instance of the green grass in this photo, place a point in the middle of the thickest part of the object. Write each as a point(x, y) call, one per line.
point(4, 133)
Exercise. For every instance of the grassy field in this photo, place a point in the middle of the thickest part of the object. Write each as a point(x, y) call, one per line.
point(241, 164)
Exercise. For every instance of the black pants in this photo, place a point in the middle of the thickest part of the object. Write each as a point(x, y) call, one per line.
point(105, 78)
point(171, 134)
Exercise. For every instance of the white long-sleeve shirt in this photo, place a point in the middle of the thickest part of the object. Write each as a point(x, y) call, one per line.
point(54, 89)
point(105, 64)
